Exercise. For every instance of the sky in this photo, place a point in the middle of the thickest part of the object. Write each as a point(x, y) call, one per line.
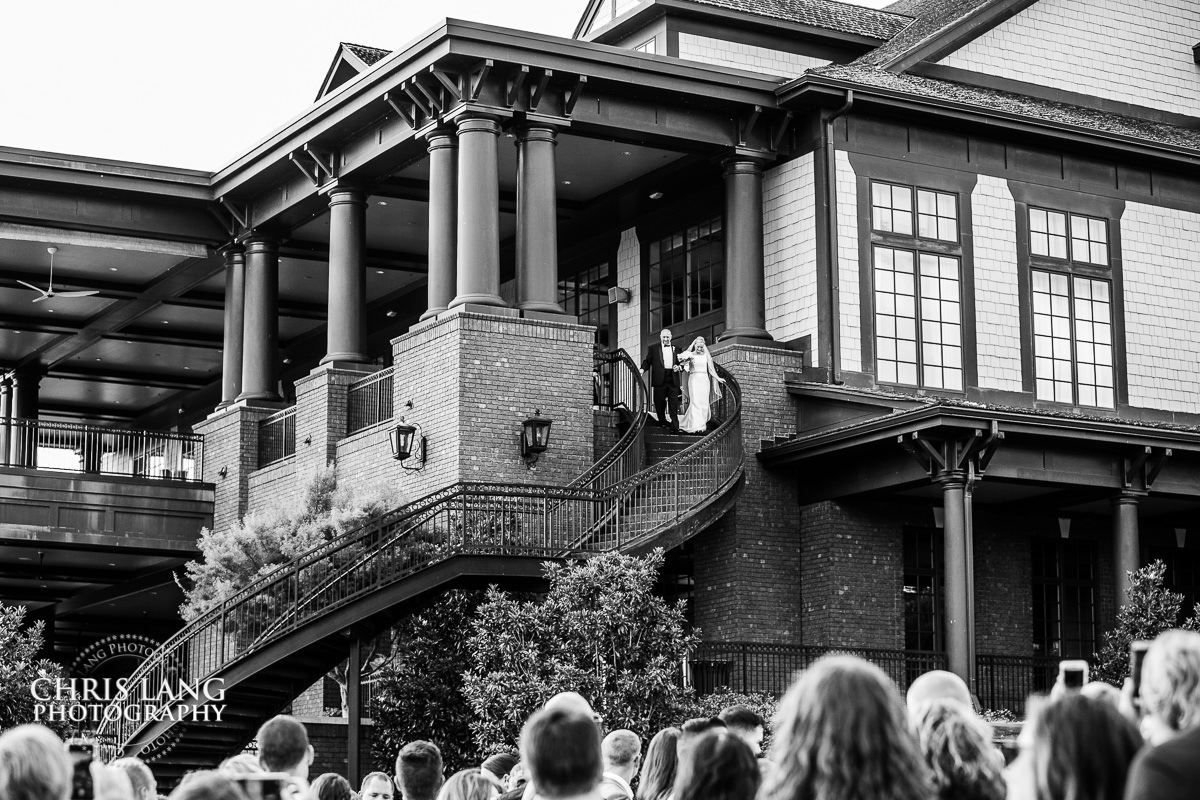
point(197, 83)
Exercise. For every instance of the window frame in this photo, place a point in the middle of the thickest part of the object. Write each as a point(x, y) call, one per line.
point(1031, 196)
point(711, 321)
point(936, 573)
point(1061, 584)
point(871, 169)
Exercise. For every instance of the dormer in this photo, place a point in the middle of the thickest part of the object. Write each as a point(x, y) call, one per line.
point(775, 38)
point(350, 61)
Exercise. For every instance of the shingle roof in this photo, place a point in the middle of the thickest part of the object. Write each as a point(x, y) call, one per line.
point(368, 54)
point(931, 16)
point(1023, 105)
point(828, 14)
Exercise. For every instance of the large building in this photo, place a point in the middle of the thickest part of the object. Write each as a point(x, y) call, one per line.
point(948, 251)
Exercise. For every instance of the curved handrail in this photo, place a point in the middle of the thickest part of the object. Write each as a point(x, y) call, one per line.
point(627, 390)
point(463, 519)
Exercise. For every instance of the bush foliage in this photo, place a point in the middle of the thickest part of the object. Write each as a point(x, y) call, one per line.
point(599, 631)
point(1149, 610)
point(20, 667)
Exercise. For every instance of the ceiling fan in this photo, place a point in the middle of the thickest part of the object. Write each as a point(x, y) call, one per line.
point(49, 292)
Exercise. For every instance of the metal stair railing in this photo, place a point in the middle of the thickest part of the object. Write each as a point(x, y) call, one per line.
point(463, 519)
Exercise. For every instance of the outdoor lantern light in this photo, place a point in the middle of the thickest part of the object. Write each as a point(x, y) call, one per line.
point(535, 436)
point(407, 443)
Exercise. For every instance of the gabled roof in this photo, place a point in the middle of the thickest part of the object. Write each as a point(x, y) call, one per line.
point(1065, 114)
point(350, 61)
point(940, 26)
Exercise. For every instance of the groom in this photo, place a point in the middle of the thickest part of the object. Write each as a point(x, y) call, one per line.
point(663, 363)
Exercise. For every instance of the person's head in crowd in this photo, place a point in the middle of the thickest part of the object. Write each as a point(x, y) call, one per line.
point(283, 746)
point(468, 784)
point(33, 765)
point(419, 771)
point(841, 731)
point(937, 684)
point(518, 776)
point(376, 786)
point(958, 749)
point(1104, 692)
point(622, 750)
point(330, 786)
point(721, 767)
point(745, 723)
point(499, 766)
point(1171, 685)
point(659, 766)
point(1074, 748)
point(145, 787)
point(692, 730)
point(241, 764)
point(561, 748)
point(207, 785)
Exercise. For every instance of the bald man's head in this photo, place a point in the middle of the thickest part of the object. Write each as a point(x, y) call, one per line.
point(569, 701)
point(938, 685)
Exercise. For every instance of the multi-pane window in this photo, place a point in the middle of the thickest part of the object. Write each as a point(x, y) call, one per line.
point(646, 47)
point(687, 275)
point(922, 590)
point(1064, 618)
point(917, 267)
point(1072, 308)
point(584, 295)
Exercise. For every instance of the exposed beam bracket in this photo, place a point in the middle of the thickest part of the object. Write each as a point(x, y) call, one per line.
point(450, 85)
point(417, 98)
point(434, 96)
point(240, 212)
point(515, 82)
point(477, 79)
point(308, 172)
point(779, 129)
point(963, 451)
point(326, 161)
point(1135, 465)
point(225, 219)
point(538, 90)
point(405, 114)
point(746, 126)
point(988, 448)
point(572, 96)
point(1156, 464)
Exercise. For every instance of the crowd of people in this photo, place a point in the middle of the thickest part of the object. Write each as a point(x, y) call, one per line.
point(842, 732)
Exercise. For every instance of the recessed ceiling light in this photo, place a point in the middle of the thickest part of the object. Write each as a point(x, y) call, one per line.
point(626, 153)
point(114, 269)
point(51, 310)
point(566, 183)
point(383, 202)
point(379, 272)
point(656, 195)
point(166, 322)
point(24, 558)
point(391, 313)
point(185, 367)
point(287, 361)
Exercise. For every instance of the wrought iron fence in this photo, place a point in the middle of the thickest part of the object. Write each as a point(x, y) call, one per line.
point(464, 519)
point(1007, 681)
point(370, 400)
point(618, 385)
point(277, 437)
point(764, 667)
point(73, 447)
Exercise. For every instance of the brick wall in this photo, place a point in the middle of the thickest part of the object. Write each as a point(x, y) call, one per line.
point(747, 566)
point(480, 376)
point(629, 276)
point(1069, 45)
point(848, 266)
point(997, 300)
point(722, 53)
point(279, 483)
point(1161, 263)
point(852, 569)
point(789, 250)
point(328, 739)
point(231, 443)
point(366, 455)
point(1003, 588)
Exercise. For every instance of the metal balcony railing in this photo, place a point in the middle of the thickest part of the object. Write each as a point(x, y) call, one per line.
point(91, 449)
point(495, 520)
point(277, 437)
point(369, 400)
point(1007, 681)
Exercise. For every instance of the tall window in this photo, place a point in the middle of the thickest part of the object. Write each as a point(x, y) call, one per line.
point(916, 257)
point(922, 589)
point(584, 295)
point(687, 275)
point(1064, 619)
point(1072, 308)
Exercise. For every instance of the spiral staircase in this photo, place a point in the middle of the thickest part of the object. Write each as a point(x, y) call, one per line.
point(281, 633)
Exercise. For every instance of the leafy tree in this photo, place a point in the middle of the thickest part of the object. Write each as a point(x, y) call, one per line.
point(764, 703)
point(599, 631)
point(1150, 609)
point(420, 691)
point(284, 530)
point(20, 667)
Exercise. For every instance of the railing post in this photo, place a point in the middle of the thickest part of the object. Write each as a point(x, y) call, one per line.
point(224, 627)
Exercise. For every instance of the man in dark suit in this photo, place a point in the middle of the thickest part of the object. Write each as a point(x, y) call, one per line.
point(663, 362)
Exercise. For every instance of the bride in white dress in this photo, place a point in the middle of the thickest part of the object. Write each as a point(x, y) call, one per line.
point(703, 386)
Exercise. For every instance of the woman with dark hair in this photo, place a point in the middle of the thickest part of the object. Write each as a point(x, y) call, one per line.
point(719, 766)
point(959, 752)
point(842, 733)
point(331, 786)
point(1074, 748)
point(659, 766)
